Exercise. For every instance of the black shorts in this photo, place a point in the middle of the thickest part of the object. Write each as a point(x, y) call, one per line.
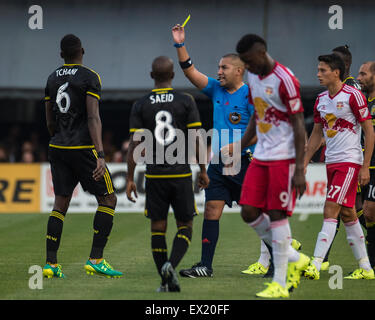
point(369, 190)
point(225, 187)
point(70, 166)
point(163, 192)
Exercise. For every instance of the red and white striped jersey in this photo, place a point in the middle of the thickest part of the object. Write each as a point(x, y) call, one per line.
point(275, 97)
point(340, 117)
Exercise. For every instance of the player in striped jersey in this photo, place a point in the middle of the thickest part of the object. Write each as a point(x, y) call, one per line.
point(76, 154)
point(344, 53)
point(366, 78)
point(339, 114)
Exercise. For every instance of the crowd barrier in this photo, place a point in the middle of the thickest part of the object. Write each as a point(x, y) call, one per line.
point(28, 188)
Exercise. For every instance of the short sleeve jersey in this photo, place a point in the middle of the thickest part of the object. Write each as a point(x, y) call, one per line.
point(340, 117)
point(67, 88)
point(167, 115)
point(231, 112)
point(275, 96)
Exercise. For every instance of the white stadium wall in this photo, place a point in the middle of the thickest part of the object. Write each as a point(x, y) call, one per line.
point(26, 188)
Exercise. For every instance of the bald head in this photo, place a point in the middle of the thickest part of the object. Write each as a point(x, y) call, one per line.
point(366, 77)
point(162, 69)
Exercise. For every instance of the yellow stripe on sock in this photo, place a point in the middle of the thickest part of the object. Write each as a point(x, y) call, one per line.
point(106, 210)
point(359, 213)
point(184, 237)
point(158, 233)
point(58, 215)
point(159, 250)
point(370, 224)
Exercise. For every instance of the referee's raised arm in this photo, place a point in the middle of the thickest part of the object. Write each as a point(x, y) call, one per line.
point(197, 78)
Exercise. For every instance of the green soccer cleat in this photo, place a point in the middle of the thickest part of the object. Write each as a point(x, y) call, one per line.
point(324, 266)
point(256, 268)
point(295, 269)
point(53, 272)
point(312, 272)
point(296, 244)
point(273, 290)
point(103, 269)
point(361, 274)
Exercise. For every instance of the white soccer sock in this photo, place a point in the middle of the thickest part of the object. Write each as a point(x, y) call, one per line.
point(262, 227)
point(325, 238)
point(265, 255)
point(281, 238)
point(356, 240)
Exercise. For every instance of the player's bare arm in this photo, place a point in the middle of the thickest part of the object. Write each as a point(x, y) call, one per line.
point(51, 125)
point(364, 172)
point(201, 153)
point(298, 180)
point(130, 184)
point(197, 78)
point(95, 128)
point(314, 143)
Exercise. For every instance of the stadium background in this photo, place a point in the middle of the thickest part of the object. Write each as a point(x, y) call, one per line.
point(121, 38)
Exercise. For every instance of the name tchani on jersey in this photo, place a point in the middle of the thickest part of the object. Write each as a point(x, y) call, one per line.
point(66, 71)
point(161, 98)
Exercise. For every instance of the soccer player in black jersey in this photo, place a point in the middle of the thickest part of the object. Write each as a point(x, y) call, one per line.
point(344, 53)
point(167, 116)
point(366, 78)
point(346, 56)
point(76, 154)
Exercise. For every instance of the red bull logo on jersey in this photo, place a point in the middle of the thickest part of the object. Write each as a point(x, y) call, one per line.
point(267, 116)
point(340, 105)
point(269, 90)
point(333, 125)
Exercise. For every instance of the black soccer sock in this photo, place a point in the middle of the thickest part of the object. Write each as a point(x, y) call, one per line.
point(329, 249)
point(54, 231)
point(370, 242)
point(159, 249)
point(181, 243)
point(210, 236)
point(361, 218)
point(103, 222)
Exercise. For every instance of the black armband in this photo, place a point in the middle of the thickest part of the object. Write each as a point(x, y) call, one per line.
point(186, 64)
point(101, 154)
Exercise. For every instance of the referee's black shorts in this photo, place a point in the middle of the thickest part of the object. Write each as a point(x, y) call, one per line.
point(70, 166)
point(163, 192)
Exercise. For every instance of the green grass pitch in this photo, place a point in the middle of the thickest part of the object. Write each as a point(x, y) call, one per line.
point(128, 250)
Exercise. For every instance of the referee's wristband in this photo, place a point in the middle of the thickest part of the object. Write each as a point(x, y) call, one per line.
point(179, 45)
point(101, 154)
point(186, 64)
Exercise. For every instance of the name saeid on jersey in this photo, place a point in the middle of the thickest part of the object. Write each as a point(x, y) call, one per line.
point(161, 98)
point(66, 71)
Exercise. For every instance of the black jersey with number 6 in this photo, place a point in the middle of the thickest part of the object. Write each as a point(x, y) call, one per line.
point(163, 117)
point(67, 88)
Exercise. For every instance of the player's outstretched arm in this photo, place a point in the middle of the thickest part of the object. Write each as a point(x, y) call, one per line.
point(197, 78)
point(51, 125)
point(201, 157)
point(364, 173)
point(130, 184)
point(95, 128)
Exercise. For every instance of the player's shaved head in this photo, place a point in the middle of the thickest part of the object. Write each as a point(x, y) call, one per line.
point(371, 65)
point(162, 69)
point(71, 47)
